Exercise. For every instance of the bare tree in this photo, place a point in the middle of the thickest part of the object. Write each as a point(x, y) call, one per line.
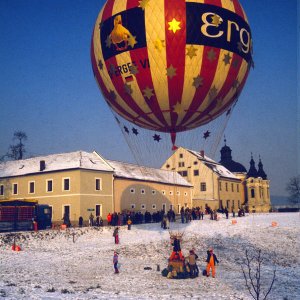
point(17, 151)
point(252, 271)
point(293, 188)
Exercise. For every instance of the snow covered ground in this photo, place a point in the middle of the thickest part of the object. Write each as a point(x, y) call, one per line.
point(52, 266)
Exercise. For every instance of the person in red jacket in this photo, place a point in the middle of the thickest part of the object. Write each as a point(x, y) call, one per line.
point(108, 219)
point(211, 263)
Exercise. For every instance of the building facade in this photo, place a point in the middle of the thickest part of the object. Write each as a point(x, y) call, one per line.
point(81, 183)
point(256, 186)
point(213, 184)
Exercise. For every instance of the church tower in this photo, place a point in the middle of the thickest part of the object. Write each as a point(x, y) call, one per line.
point(258, 188)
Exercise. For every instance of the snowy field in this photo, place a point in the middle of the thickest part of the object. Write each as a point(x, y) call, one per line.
point(52, 266)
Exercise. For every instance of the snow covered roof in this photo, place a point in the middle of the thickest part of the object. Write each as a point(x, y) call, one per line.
point(55, 162)
point(132, 171)
point(214, 166)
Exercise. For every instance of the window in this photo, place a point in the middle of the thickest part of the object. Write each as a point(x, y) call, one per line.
point(132, 206)
point(98, 184)
point(143, 191)
point(178, 193)
point(153, 206)
point(185, 193)
point(181, 164)
point(31, 187)
point(237, 188)
point(227, 204)
point(252, 193)
point(163, 192)
point(203, 186)
point(143, 206)
point(153, 192)
point(98, 210)
point(196, 172)
point(167, 166)
point(1, 190)
point(15, 189)
point(171, 206)
point(132, 191)
point(183, 173)
point(66, 184)
point(220, 186)
point(171, 192)
point(232, 188)
point(226, 187)
point(195, 163)
point(239, 204)
point(49, 185)
point(180, 155)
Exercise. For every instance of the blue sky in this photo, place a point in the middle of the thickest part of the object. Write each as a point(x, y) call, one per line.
point(47, 87)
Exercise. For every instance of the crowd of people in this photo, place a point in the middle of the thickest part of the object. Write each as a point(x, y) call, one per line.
point(186, 216)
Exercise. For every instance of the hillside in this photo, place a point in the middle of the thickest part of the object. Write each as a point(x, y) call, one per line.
point(52, 266)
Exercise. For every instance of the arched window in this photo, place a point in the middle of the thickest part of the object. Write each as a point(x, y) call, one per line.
point(252, 193)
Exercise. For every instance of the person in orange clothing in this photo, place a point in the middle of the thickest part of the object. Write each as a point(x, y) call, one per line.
point(211, 263)
point(108, 219)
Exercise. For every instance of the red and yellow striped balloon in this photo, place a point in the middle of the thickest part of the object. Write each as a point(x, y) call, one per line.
point(171, 65)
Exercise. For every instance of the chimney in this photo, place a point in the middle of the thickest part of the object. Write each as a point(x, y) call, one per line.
point(42, 165)
point(202, 153)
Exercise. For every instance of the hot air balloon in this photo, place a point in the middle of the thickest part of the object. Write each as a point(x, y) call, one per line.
point(171, 65)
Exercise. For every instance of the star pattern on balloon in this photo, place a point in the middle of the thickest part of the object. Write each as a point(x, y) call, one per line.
point(206, 134)
point(111, 70)
point(216, 20)
point(213, 92)
point(135, 131)
point(174, 25)
point(108, 42)
point(112, 95)
point(159, 44)
point(171, 71)
point(128, 89)
point(132, 41)
point(143, 4)
point(178, 108)
point(148, 93)
point(219, 102)
point(134, 69)
point(235, 84)
point(227, 58)
point(211, 55)
point(126, 129)
point(197, 81)
point(191, 51)
point(100, 64)
point(156, 137)
point(235, 63)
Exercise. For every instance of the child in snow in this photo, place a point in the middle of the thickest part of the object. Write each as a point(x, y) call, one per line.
point(116, 235)
point(211, 263)
point(115, 261)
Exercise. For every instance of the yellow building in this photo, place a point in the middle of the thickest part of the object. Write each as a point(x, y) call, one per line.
point(80, 183)
point(256, 186)
point(213, 184)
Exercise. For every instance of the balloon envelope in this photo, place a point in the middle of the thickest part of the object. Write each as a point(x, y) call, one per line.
point(171, 65)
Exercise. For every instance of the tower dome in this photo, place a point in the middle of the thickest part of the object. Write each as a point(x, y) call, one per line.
point(228, 162)
point(252, 171)
point(261, 173)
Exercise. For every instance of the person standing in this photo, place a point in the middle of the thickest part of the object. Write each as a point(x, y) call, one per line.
point(116, 235)
point(192, 263)
point(211, 263)
point(129, 222)
point(115, 261)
